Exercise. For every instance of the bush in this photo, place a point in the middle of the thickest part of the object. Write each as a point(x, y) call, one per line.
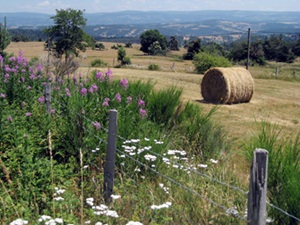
point(203, 61)
point(98, 63)
point(153, 67)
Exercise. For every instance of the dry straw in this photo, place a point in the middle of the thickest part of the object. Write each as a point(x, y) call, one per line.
point(227, 85)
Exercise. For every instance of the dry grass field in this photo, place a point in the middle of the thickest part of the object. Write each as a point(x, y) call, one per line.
point(274, 101)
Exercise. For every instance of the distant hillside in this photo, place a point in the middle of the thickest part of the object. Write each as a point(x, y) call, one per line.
point(181, 23)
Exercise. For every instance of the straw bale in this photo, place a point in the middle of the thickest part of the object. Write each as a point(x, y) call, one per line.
point(227, 85)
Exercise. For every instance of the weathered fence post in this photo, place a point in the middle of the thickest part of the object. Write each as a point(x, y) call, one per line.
point(248, 52)
point(257, 213)
point(109, 169)
point(47, 94)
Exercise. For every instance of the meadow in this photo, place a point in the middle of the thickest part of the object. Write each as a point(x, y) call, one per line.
point(165, 186)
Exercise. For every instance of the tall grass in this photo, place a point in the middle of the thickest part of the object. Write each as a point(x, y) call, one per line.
point(283, 170)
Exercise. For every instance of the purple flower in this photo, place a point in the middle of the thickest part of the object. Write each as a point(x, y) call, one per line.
point(108, 74)
point(97, 125)
point(143, 113)
point(3, 95)
point(82, 111)
point(39, 67)
point(106, 102)
point(9, 118)
point(32, 76)
point(29, 88)
point(93, 88)
point(52, 111)
point(75, 80)
point(1, 58)
point(129, 100)
point(68, 92)
point(28, 114)
point(99, 75)
point(6, 76)
point(118, 97)
point(124, 83)
point(141, 103)
point(41, 99)
point(83, 91)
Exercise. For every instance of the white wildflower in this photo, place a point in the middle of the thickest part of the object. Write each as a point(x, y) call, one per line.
point(115, 196)
point(59, 220)
point(202, 166)
point(133, 223)
point(214, 161)
point(150, 157)
point(59, 199)
point(19, 222)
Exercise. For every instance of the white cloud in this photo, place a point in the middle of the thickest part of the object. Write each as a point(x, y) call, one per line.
point(44, 4)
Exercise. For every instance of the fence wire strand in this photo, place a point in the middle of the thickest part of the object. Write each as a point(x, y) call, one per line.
point(177, 183)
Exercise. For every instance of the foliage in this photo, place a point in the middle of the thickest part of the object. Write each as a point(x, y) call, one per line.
point(5, 38)
point(67, 33)
point(204, 61)
point(99, 46)
point(283, 170)
point(153, 66)
point(275, 48)
point(98, 63)
point(173, 44)
point(153, 43)
point(122, 58)
point(128, 45)
point(239, 51)
point(193, 48)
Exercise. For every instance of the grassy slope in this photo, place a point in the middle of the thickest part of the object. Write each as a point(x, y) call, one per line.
point(275, 101)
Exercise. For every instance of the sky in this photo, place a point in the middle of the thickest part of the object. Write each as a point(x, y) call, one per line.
point(93, 6)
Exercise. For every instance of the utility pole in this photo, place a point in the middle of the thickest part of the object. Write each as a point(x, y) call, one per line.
point(248, 55)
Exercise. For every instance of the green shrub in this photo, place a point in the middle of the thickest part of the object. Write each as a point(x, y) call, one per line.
point(153, 67)
point(98, 63)
point(204, 61)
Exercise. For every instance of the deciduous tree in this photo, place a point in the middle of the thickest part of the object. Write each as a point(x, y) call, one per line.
point(153, 43)
point(67, 34)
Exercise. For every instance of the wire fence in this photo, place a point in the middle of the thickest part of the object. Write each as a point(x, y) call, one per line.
point(227, 210)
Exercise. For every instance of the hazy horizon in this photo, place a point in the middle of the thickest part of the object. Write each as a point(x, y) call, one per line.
point(102, 6)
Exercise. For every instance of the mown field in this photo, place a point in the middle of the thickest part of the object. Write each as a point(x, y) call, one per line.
point(275, 100)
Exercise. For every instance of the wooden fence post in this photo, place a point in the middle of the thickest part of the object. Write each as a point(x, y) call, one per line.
point(47, 94)
point(109, 169)
point(257, 213)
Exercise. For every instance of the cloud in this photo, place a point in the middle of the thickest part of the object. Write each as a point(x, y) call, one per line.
point(45, 3)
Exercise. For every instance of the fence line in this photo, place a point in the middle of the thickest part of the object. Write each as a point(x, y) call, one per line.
point(181, 185)
point(227, 210)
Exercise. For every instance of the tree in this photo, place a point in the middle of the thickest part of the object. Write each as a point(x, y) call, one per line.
point(152, 42)
point(239, 51)
point(4, 38)
point(194, 47)
point(276, 48)
point(173, 44)
point(67, 34)
point(122, 58)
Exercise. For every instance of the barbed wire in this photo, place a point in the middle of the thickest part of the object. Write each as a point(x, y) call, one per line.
point(177, 183)
point(196, 171)
point(284, 212)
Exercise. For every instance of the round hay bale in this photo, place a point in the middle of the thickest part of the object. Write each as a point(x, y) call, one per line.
point(227, 85)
